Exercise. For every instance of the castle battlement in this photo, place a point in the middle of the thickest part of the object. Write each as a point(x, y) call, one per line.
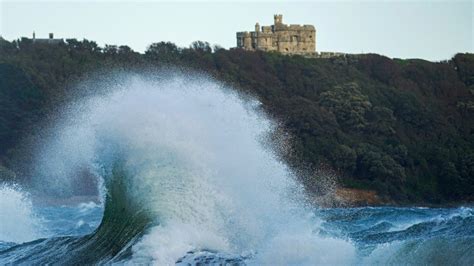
point(279, 37)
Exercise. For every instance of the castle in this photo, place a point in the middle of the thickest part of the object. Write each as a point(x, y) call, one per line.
point(279, 37)
point(50, 40)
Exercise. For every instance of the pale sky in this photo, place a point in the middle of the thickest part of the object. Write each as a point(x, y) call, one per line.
point(432, 30)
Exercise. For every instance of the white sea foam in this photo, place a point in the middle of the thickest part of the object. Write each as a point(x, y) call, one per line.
point(18, 222)
point(87, 206)
point(196, 154)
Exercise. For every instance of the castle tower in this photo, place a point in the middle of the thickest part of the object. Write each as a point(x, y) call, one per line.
point(278, 19)
point(257, 27)
point(247, 41)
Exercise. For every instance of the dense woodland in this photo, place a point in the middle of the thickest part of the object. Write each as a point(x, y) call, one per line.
point(404, 128)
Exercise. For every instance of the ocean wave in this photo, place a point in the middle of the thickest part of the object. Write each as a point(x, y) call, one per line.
point(184, 166)
point(187, 175)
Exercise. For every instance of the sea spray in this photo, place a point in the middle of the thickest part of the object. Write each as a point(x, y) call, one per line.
point(187, 175)
point(185, 167)
point(18, 222)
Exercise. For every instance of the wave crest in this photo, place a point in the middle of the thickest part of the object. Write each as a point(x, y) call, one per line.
point(184, 168)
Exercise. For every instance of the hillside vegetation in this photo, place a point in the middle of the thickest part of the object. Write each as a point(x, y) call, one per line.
point(404, 128)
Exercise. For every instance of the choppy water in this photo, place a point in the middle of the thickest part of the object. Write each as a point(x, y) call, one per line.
point(382, 235)
point(187, 174)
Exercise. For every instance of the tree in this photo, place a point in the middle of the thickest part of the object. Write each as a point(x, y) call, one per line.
point(348, 104)
point(110, 49)
point(162, 51)
point(201, 46)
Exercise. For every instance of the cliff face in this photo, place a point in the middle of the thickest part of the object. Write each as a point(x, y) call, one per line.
point(402, 129)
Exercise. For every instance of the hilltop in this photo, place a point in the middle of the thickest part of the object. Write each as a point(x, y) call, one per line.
point(400, 129)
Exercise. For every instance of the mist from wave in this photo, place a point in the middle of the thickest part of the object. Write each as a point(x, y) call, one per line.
point(19, 223)
point(188, 160)
point(186, 171)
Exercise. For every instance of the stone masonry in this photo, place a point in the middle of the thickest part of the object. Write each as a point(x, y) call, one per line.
point(286, 39)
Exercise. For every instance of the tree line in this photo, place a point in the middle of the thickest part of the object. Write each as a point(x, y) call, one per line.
point(404, 128)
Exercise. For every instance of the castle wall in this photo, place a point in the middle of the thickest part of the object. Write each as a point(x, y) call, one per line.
point(286, 39)
point(244, 40)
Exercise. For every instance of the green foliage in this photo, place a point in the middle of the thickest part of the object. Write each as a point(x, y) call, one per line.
point(344, 157)
point(201, 46)
point(402, 127)
point(374, 164)
point(20, 101)
point(348, 104)
point(162, 51)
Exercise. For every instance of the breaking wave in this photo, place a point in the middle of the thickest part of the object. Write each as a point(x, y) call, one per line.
point(185, 169)
point(186, 173)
